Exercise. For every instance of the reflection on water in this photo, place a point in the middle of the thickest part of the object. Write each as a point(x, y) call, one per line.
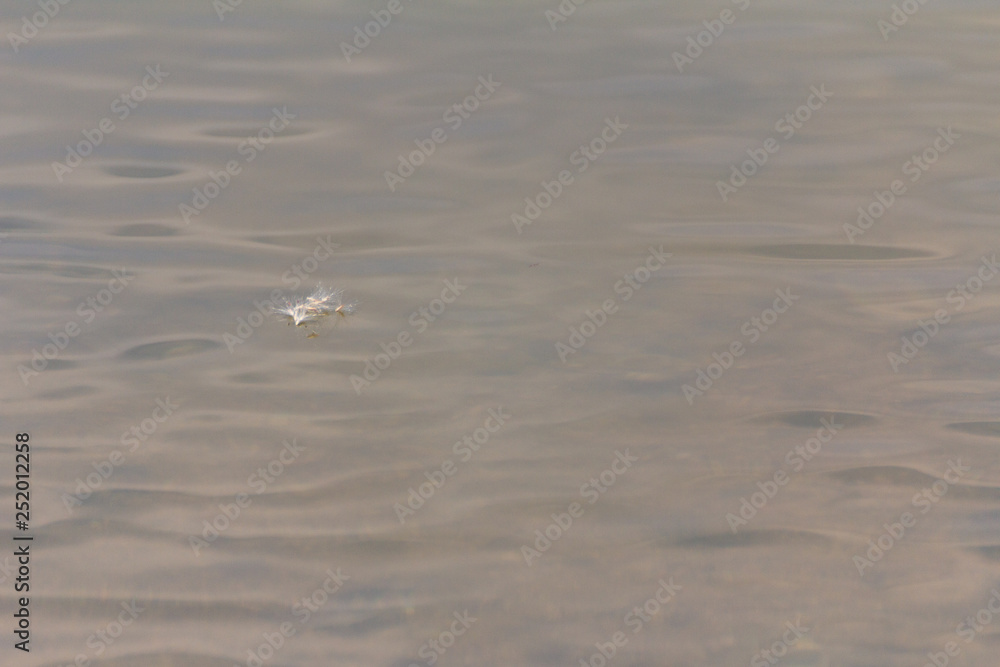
point(224, 477)
point(818, 251)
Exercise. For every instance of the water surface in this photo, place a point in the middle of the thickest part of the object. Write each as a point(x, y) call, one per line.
point(716, 355)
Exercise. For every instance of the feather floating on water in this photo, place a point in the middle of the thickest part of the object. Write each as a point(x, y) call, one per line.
point(322, 302)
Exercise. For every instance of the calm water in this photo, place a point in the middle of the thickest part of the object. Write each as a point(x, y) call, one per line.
point(620, 380)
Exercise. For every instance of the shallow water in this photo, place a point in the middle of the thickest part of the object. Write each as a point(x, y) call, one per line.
point(629, 324)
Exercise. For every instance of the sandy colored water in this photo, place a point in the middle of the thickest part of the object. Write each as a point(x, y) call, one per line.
point(591, 398)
